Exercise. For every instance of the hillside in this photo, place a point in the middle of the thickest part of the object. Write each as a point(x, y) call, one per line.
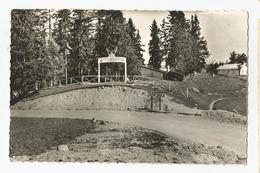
point(202, 90)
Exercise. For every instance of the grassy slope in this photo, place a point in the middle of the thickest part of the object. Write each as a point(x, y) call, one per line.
point(235, 104)
point(211, 88)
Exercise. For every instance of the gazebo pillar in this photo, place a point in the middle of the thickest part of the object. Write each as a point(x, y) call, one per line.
point(98, 71)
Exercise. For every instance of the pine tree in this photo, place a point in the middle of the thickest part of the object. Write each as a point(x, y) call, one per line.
point(199, 47)
point(50, 64)
point(164, 42)
point(182, 45)
point(28, 49)
point(81, 43)
point(154, 47)
point(62, 27)
point(179, 39)
point(139, 49)
point(136, 42)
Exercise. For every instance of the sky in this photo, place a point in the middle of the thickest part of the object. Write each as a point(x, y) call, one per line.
point(225, 31)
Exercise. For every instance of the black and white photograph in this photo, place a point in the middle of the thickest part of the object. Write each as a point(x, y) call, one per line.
point(129, 86)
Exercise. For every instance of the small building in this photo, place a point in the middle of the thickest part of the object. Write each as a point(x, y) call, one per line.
point(243, 70)
point(232, 69)
point(151, 72)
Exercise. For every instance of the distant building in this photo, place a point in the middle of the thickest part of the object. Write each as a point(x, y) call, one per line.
point(232, 69)
point(243, 70)
point(151, 72)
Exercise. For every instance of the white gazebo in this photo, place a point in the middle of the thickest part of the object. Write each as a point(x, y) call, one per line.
point(112, 59)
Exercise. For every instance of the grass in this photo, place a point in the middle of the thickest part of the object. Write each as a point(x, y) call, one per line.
point(211, 88)
point(29, 136)
point(234, 104)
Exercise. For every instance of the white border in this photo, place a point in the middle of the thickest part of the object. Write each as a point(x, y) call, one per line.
point(253, 6)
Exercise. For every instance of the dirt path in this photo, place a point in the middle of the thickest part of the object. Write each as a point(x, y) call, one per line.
point(189, 128)
point(211, 105)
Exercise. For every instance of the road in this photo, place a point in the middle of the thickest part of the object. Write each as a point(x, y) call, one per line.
point(188, 128)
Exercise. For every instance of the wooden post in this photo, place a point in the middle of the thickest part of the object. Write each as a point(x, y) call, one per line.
point(66, 66)
point(169, 87)
point(187, 92)
point(151, 102)
point(36, 86)
point(160, 102)
point(98, 71)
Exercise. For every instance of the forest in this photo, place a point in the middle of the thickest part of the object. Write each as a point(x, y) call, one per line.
point(45, 43)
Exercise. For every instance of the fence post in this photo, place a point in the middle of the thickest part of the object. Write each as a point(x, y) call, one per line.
point(187, 92)
point(71, 80)
point(160, 102)
point(82, 79)
point(36, 86)
point(169, 87)
point(151, 102)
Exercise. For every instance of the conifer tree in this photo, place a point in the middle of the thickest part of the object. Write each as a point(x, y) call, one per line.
point(154, 47)
point(199, 47)
point(28, 49)
point(183, 47)
point(81, 43)
point(179, 43)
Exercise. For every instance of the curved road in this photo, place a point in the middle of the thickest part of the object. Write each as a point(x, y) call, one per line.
point(188, 128)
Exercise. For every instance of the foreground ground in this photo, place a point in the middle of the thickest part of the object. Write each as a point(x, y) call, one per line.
point(36, 139)
point(229, 135)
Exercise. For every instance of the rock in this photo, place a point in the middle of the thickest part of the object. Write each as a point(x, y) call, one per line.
point(63, 148)
point(220, 147)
